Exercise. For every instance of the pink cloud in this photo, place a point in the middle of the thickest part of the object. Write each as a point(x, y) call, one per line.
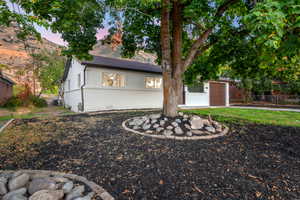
point(102, 33)
point(56, 37)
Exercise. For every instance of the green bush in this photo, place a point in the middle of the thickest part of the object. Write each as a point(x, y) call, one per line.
point(12, 103)
point(38, 102)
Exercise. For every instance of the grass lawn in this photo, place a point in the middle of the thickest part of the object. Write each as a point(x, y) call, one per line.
point(27, 113)
point(283, 118)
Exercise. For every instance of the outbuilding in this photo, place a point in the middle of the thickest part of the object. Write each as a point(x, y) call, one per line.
point(109, 83)
point(6, 88)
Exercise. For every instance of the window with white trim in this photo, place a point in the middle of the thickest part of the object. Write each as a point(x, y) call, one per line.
point(113, 80)
point(153, 82)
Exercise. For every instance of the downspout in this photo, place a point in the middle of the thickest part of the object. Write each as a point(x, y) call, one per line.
point(84, 82)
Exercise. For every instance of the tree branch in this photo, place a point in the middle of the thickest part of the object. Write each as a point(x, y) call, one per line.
point(201, 40)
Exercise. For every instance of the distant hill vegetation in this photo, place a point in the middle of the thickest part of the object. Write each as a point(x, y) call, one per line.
point(14, 58)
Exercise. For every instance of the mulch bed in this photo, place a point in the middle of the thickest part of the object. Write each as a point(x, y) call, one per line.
point(252, 162)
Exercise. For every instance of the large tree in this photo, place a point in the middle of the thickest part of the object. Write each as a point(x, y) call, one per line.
point(200, 36)
point(185, 34)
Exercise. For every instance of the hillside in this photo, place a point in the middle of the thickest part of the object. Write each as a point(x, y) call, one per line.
point(14, 58)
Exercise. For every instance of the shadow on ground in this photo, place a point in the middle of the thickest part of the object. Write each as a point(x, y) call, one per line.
point(253, 162)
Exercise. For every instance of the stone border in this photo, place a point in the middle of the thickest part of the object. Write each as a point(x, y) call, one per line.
point(204, 137)
point(6, 125)
point(93, 186)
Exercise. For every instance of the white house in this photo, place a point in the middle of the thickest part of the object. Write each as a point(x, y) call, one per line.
point(110, 83)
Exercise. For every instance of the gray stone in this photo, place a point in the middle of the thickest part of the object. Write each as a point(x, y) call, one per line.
point(17, 197)
point(18, 182)
point(76, 192)
point(189, 134)
point(155, 125)
point(47, 195)
point(149, 131)
point(170, 127)
point(136, 127)
point(178, 121)
point(196, 122)
point(3, 188)
point(60, 179)
point(187, 126)
point(146, 126)
point(41, 184)
point(166, 119)
point(198, 132)
point(159, 129)
point(19, 192)
point(185, 116)
point(175, 124)
point(168, 133)
point(153, 121)
point(155, 116)
point(162, 122)
point(206, 122)
point(89, 196)
point(184, 120)
point(178, 131)
point(180, 113)
point(137, 122)
point(67, 187)
point(210, 129)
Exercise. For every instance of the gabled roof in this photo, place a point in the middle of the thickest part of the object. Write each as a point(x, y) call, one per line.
point(6, 79)
point(100, 61)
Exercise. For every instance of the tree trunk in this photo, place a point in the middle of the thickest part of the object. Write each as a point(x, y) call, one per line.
point(177, 50)
point(169, 91)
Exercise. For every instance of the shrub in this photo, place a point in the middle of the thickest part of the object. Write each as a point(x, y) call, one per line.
point(38, 102)
point(13, 102)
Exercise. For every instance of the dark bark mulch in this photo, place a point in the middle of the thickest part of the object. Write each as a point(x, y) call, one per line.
point(253, 162)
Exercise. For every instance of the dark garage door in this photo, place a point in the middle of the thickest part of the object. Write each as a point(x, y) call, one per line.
point(217, 94)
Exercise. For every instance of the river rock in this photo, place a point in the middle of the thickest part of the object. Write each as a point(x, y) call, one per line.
point(153, 121)
point(189, 134)
point(154, 116)
point(168, 133)
point(175, 124)
point(18, 192)
point(196, 122)
point(210, 129)
point(41, 184)
point(180, 113)
point(67, 187)
point(198, 132)
point(76, 192)
point(89, 196)
point(146, 126)
point(170, 127)
point(18, 182)
point(187, 126)
point(159, 129)
point(178, 121)
point(185, 116)
point(155, 125)
point(162, 122)
point(17, 197)
point(3, 182)
point(178, 131)
point(47, 195)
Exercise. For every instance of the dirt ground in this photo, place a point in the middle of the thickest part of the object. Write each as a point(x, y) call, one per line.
point(252, 162)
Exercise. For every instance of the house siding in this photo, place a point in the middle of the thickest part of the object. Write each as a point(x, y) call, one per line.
point(72, 95)
point(133, 96)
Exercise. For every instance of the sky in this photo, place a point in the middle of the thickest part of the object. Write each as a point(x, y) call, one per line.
point(56, 37)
